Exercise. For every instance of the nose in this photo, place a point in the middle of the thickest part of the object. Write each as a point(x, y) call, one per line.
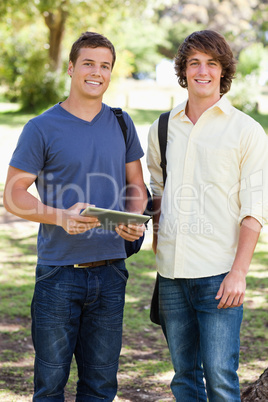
point(203, 68)
point(95, 70)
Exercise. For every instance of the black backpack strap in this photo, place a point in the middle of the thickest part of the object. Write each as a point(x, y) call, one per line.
point(162, 137)
point(119, 115)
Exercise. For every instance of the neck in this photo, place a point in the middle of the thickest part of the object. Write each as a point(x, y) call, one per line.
point(83, 109)
point(194, 109)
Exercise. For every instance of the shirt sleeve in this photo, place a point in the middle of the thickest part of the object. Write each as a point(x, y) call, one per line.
point(153, 161)
point(254, 175)
point(29, 153)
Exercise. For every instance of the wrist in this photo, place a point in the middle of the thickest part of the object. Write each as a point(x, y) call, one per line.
point(241, 269)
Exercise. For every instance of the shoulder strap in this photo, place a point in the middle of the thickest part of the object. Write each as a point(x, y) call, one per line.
point(119, 115)
point(162, 137)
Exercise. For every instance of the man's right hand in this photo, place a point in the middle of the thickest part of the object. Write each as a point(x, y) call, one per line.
point(74, 223)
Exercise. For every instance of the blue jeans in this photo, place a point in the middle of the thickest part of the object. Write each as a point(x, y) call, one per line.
point(78, 311)
point(203, 340)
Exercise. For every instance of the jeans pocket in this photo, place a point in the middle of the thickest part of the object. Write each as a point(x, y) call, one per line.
point(45, 271)
point(51, 304)
point(121, 270)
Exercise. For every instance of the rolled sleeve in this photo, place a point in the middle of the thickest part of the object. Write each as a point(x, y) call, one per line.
point(254, 176)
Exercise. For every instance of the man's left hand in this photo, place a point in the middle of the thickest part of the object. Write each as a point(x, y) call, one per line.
point(130, 232)
point(232, 290)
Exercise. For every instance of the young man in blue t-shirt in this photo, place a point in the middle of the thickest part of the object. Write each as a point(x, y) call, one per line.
point(76, 154)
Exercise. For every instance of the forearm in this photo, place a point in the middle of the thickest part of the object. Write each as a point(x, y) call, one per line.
point(23, 204)
point(248, 238)
point(232, 290)
point(136, 194)
point(136, 198)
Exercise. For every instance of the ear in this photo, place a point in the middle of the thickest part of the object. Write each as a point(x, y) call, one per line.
point(70, 69)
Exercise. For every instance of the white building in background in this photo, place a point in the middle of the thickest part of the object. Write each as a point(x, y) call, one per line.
point(165, 73)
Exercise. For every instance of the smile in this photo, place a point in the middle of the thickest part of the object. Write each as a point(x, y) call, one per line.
point(203, 81)
point(93, 83)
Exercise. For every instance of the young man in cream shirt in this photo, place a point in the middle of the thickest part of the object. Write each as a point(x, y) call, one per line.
point(207, 221)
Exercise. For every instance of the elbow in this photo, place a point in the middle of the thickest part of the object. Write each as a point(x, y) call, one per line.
point(6, 204)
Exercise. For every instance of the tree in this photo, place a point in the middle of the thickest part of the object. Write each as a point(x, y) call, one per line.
point(33, 73)
point(56, 14)
point(258, 391)
point(55, 19)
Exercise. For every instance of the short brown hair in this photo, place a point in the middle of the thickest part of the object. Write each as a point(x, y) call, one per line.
point(209, 42)
point(92, 40)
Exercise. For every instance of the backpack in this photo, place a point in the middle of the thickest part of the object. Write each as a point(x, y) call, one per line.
point(133, 247)
point(162, 138)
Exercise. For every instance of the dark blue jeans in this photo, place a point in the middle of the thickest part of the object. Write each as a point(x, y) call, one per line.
point(78, 311)
point(203, 340)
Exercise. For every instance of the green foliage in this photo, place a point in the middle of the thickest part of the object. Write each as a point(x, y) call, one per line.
point(39, 86)
point(142, 32)
point(250, 59)
point(175, 35)
point(142, 46)
point(244, 93)
point(25, 71)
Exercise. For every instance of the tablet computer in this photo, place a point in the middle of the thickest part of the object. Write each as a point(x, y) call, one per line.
point(110, 218)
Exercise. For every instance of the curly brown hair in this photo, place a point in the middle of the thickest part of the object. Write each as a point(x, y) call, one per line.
point(92, 40)
point(209, 42)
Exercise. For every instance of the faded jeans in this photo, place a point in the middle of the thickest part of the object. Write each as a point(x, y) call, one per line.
point(203, 341)
point(78, 311)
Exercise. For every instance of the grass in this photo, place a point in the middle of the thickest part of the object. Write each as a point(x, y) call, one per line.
point(14, 119)
point(145, 367)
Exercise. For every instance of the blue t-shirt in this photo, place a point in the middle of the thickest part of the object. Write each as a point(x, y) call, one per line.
point(77, 161)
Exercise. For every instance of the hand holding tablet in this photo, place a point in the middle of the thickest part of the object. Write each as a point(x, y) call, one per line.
point(110, 218)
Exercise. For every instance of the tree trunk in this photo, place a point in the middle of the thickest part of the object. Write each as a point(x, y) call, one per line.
point(258, 391)
point(56, 24)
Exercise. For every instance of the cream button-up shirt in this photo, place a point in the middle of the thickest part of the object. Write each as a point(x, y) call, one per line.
point(217, 174)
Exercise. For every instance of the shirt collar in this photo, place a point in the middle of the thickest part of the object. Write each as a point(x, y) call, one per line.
point(223, 104)
point(179, 111)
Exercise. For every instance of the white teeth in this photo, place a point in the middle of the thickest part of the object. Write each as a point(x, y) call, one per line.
point(202, 81)
point(93, 82)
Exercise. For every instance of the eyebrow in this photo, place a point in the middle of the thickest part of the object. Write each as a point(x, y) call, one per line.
point(195, 58)
point(103, 62)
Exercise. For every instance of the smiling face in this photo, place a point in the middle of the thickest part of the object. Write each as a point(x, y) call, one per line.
point(91, 73)
point(203, 74)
